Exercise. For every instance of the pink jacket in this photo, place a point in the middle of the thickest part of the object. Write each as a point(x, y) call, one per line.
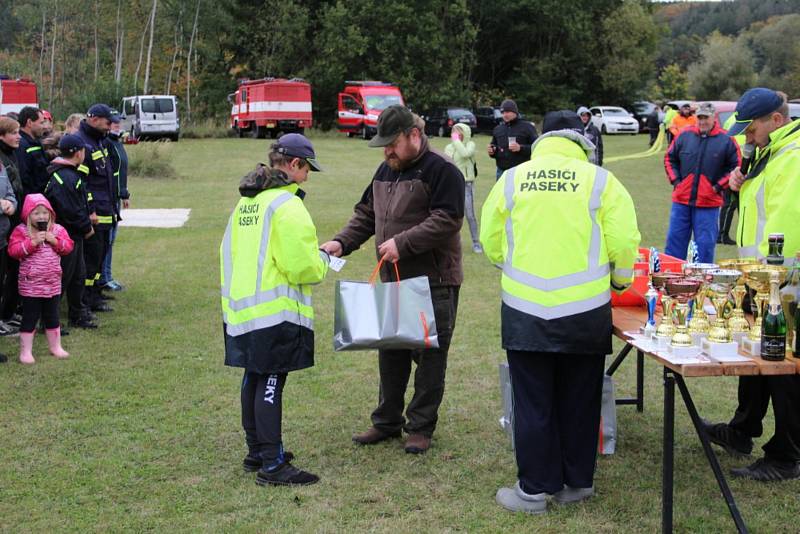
point(40, 266)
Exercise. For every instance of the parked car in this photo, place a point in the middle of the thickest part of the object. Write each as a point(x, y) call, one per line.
point(641, 110)
point(612, 119)
point(794, 109)
point(488, 117)
point(440, 121)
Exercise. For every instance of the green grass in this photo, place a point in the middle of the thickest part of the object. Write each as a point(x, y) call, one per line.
point(139, 430)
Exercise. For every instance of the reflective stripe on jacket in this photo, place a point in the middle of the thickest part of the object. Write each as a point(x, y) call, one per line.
point(268, 258)
point(564, 233)
point(768, 199)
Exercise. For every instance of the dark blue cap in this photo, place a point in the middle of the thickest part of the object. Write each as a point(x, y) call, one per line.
point(298, 146)
point(70, 144)
point(562, 120)
point(755, 103)
point(100, 110)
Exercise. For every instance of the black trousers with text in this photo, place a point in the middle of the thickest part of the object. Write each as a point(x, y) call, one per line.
point(94, 252)
point(395, 370)
point(73, 279)
point(557, 400)
point(755, 393)
point(262, 416)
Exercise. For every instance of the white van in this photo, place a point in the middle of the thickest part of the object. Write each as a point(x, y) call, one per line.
point(151, 116)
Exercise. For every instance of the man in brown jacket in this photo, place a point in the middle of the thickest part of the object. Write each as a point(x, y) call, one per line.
point(414, 207)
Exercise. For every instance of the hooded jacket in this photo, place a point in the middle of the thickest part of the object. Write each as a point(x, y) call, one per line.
point(462, 152)
point(699, 165)
point(40, 265)
point(421, 207)
point(66, 191)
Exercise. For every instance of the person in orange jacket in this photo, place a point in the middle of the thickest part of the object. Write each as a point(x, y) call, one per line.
point(684, 118)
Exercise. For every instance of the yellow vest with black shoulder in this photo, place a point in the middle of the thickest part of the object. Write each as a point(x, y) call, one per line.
point(562, 230)
point(268, 258)
point(768, 199)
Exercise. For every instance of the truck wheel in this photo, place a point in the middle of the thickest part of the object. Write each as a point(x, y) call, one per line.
point(240, 132)
point(364, 134)
point(255, 131)
point(273, 133)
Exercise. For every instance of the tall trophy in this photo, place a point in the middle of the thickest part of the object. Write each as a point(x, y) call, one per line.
point(757, 278)
point(682, 290)
point(699, 323)
point(719, 342)
point(666, 327)
point(738, 323)
point(651, 297)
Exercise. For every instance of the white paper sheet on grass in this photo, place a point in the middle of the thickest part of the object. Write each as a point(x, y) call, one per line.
point(155, 218)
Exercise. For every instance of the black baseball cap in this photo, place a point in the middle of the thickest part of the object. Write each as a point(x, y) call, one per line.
point(562, 120)
point(70, 144)
point(756, 102)
point(103, 111)
point(298, 146)
point(393, 121)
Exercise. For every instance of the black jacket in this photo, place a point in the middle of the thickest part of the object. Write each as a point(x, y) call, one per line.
point(100, 175)
point(8, 158)
point(591, 133)
point(67, 194)
point(32, 163)
point(526, 134)
point(119, 166)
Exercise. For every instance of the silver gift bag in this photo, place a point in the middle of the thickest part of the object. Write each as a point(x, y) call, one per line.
point(394, 315)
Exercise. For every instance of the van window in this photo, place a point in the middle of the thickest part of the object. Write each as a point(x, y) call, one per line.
point(157, 105)
point(381, 102)
point(128, 107)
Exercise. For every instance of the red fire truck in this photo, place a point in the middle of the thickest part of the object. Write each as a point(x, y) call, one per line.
point(16, 94)
point(269, 106)
point(360, 104)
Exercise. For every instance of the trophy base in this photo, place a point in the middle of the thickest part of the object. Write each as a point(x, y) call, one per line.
point(750, 347)
point(684, 352)
point(661, 342)
point(697, 338)
point(720, 351)
point(738, 336)
point(648, 330)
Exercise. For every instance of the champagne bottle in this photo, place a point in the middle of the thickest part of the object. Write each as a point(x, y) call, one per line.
point(795, 305)
point(773, 327)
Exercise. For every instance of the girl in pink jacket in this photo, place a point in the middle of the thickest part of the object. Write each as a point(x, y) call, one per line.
point(38, 243)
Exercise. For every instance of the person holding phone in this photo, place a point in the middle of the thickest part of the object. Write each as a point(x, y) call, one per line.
point(462, 151)
point(38, 243)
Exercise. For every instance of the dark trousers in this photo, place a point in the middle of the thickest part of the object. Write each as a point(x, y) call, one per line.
point(557, 400)
point(34, 308)
point(653, 135)
point(10, 287)
point(395, 369)
point(726, 214)
point(73, 279)
point(755, 393)
point(94, 252)
point(262, 415)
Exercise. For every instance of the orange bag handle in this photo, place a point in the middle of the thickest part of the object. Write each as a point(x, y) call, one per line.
point(374, 276)
point(425, 330)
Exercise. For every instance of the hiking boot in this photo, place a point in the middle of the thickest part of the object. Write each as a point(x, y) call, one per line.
point(767, 470)
point(733, 441)
point(570, 495)
point(417, 444)
point(83, 322)
point(102, 307)
point(516, 500)
point(252, 463)
point(373, 435)
point(285, 475)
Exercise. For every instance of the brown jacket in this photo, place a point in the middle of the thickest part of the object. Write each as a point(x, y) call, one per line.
point(422, 208)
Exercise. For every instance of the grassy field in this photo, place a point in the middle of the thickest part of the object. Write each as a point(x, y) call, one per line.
point(139, 430)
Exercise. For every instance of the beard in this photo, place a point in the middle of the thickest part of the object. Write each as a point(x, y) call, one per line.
point(397, 164)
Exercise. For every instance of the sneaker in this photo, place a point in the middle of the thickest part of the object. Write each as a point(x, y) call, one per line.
point(285, 475)
point(570, 495)
point(516, 500)
point(252, 463)
point(733, 441)
point(7, 329)
point(477, 248)
point(14, 320)
point(766, 470)
point(113, 285)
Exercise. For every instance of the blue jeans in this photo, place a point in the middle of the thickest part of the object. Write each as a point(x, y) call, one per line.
point(685, 221)
point(105, 271)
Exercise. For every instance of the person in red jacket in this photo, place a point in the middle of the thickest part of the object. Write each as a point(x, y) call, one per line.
point(698, 164)
point(38, 243)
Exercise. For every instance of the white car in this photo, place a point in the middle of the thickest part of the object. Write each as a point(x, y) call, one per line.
point(611, 120)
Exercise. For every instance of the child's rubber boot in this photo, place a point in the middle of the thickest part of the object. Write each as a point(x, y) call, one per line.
point(54, 342)
point(26, 348)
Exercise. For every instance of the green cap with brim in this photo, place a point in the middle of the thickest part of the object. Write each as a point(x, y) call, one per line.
point(393, 121)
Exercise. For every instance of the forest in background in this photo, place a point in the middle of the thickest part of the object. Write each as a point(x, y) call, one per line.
point(546, 54)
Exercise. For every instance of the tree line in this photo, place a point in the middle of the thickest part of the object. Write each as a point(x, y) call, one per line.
point(546, 54)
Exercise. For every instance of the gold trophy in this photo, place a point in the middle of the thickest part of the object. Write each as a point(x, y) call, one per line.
point(666, 327)
point(683, 290)
point(737, 322)
point(722, 282)
point(757, 278)
point(699, 323)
